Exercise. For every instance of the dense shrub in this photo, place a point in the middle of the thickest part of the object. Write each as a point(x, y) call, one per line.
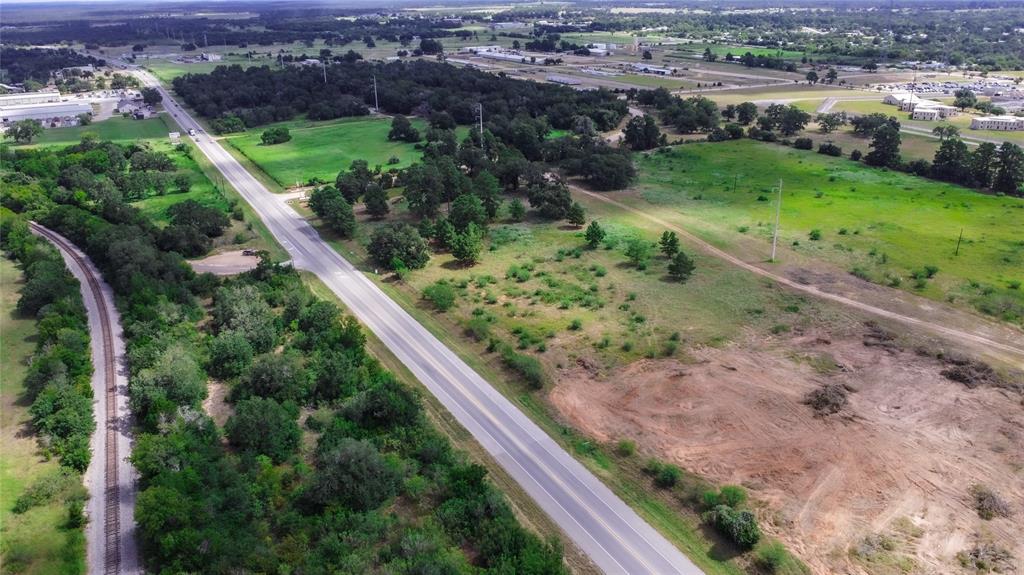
point(728, 495)
point(264, 427)
point(275, 135)
point(830, 149)
point(441, 294)
point(739, 526)
point(398, 242)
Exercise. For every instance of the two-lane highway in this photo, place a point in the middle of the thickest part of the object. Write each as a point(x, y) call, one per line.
point(594, 518)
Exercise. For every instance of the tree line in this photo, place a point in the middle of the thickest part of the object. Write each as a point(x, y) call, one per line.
point(58, 382)
point(999, 168)
point(260, 95)
point(39, 64)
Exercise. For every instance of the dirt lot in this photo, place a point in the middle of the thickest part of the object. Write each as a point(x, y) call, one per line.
point(225, 264)
point(897, 462)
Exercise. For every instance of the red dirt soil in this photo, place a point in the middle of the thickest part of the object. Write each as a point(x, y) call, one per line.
point(908, 446)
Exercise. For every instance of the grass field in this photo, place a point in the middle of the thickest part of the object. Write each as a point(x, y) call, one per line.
point(34, 542)
point(168, 70)
point(322, 149)
point(721, 50)
point(863, 107)
point(883, 224)
point(116, 129)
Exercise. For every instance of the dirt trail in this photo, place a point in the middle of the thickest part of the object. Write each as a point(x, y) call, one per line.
point(987, 337)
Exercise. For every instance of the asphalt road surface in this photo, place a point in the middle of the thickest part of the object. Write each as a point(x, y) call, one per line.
point(615, 538)
point(110, 532)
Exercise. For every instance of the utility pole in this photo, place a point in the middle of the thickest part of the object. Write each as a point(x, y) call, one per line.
point(376, 103)
point(778, 210)
point(480, 112)
point(958, 240)
point(323, 64)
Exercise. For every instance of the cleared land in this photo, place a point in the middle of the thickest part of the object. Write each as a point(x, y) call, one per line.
point(322, 149)
point(36, 541)
point(784, 93)
point(883, 225)
point(654, 81)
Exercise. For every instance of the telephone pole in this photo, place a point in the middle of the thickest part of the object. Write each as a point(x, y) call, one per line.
point(323, 64)
point(480, 111)
point(376, 103)
point(778, 210)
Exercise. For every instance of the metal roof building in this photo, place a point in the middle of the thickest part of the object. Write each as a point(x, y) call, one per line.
point(46, 111)
point(29, 98)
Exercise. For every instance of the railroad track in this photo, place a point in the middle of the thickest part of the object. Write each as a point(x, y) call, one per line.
point(112, 486)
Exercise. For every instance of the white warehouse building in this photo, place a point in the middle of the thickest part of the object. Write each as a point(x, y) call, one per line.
point(22, 98)
point(1002, 123)
point(46, 112)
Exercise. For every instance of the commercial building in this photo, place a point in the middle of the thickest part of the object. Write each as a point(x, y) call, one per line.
point(479, 49)
point(920, 108)
point(1003, 123)
point(211, 57)
point(507, 25)
point(505, 56)
point(930, 110)
point(566, 80)
point(29, 98)
point(50, 113)
point(900, 98)
point(654, 70)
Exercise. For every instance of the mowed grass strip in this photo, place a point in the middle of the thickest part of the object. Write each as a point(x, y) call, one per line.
point(116, 129)
point(884, 224)
point(33, 542)
point(322, 149)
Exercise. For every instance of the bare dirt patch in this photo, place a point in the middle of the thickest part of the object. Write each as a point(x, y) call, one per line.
point(226, 263)
point(906, 446)
point(216, 403)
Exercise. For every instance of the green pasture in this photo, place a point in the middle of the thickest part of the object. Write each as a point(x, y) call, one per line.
point(721, 50)
point(882, 224)
point(115, 129)
point(322, 149)
point(167, 70)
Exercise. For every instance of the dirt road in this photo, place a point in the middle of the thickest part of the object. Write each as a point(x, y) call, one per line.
point(1007, 342)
